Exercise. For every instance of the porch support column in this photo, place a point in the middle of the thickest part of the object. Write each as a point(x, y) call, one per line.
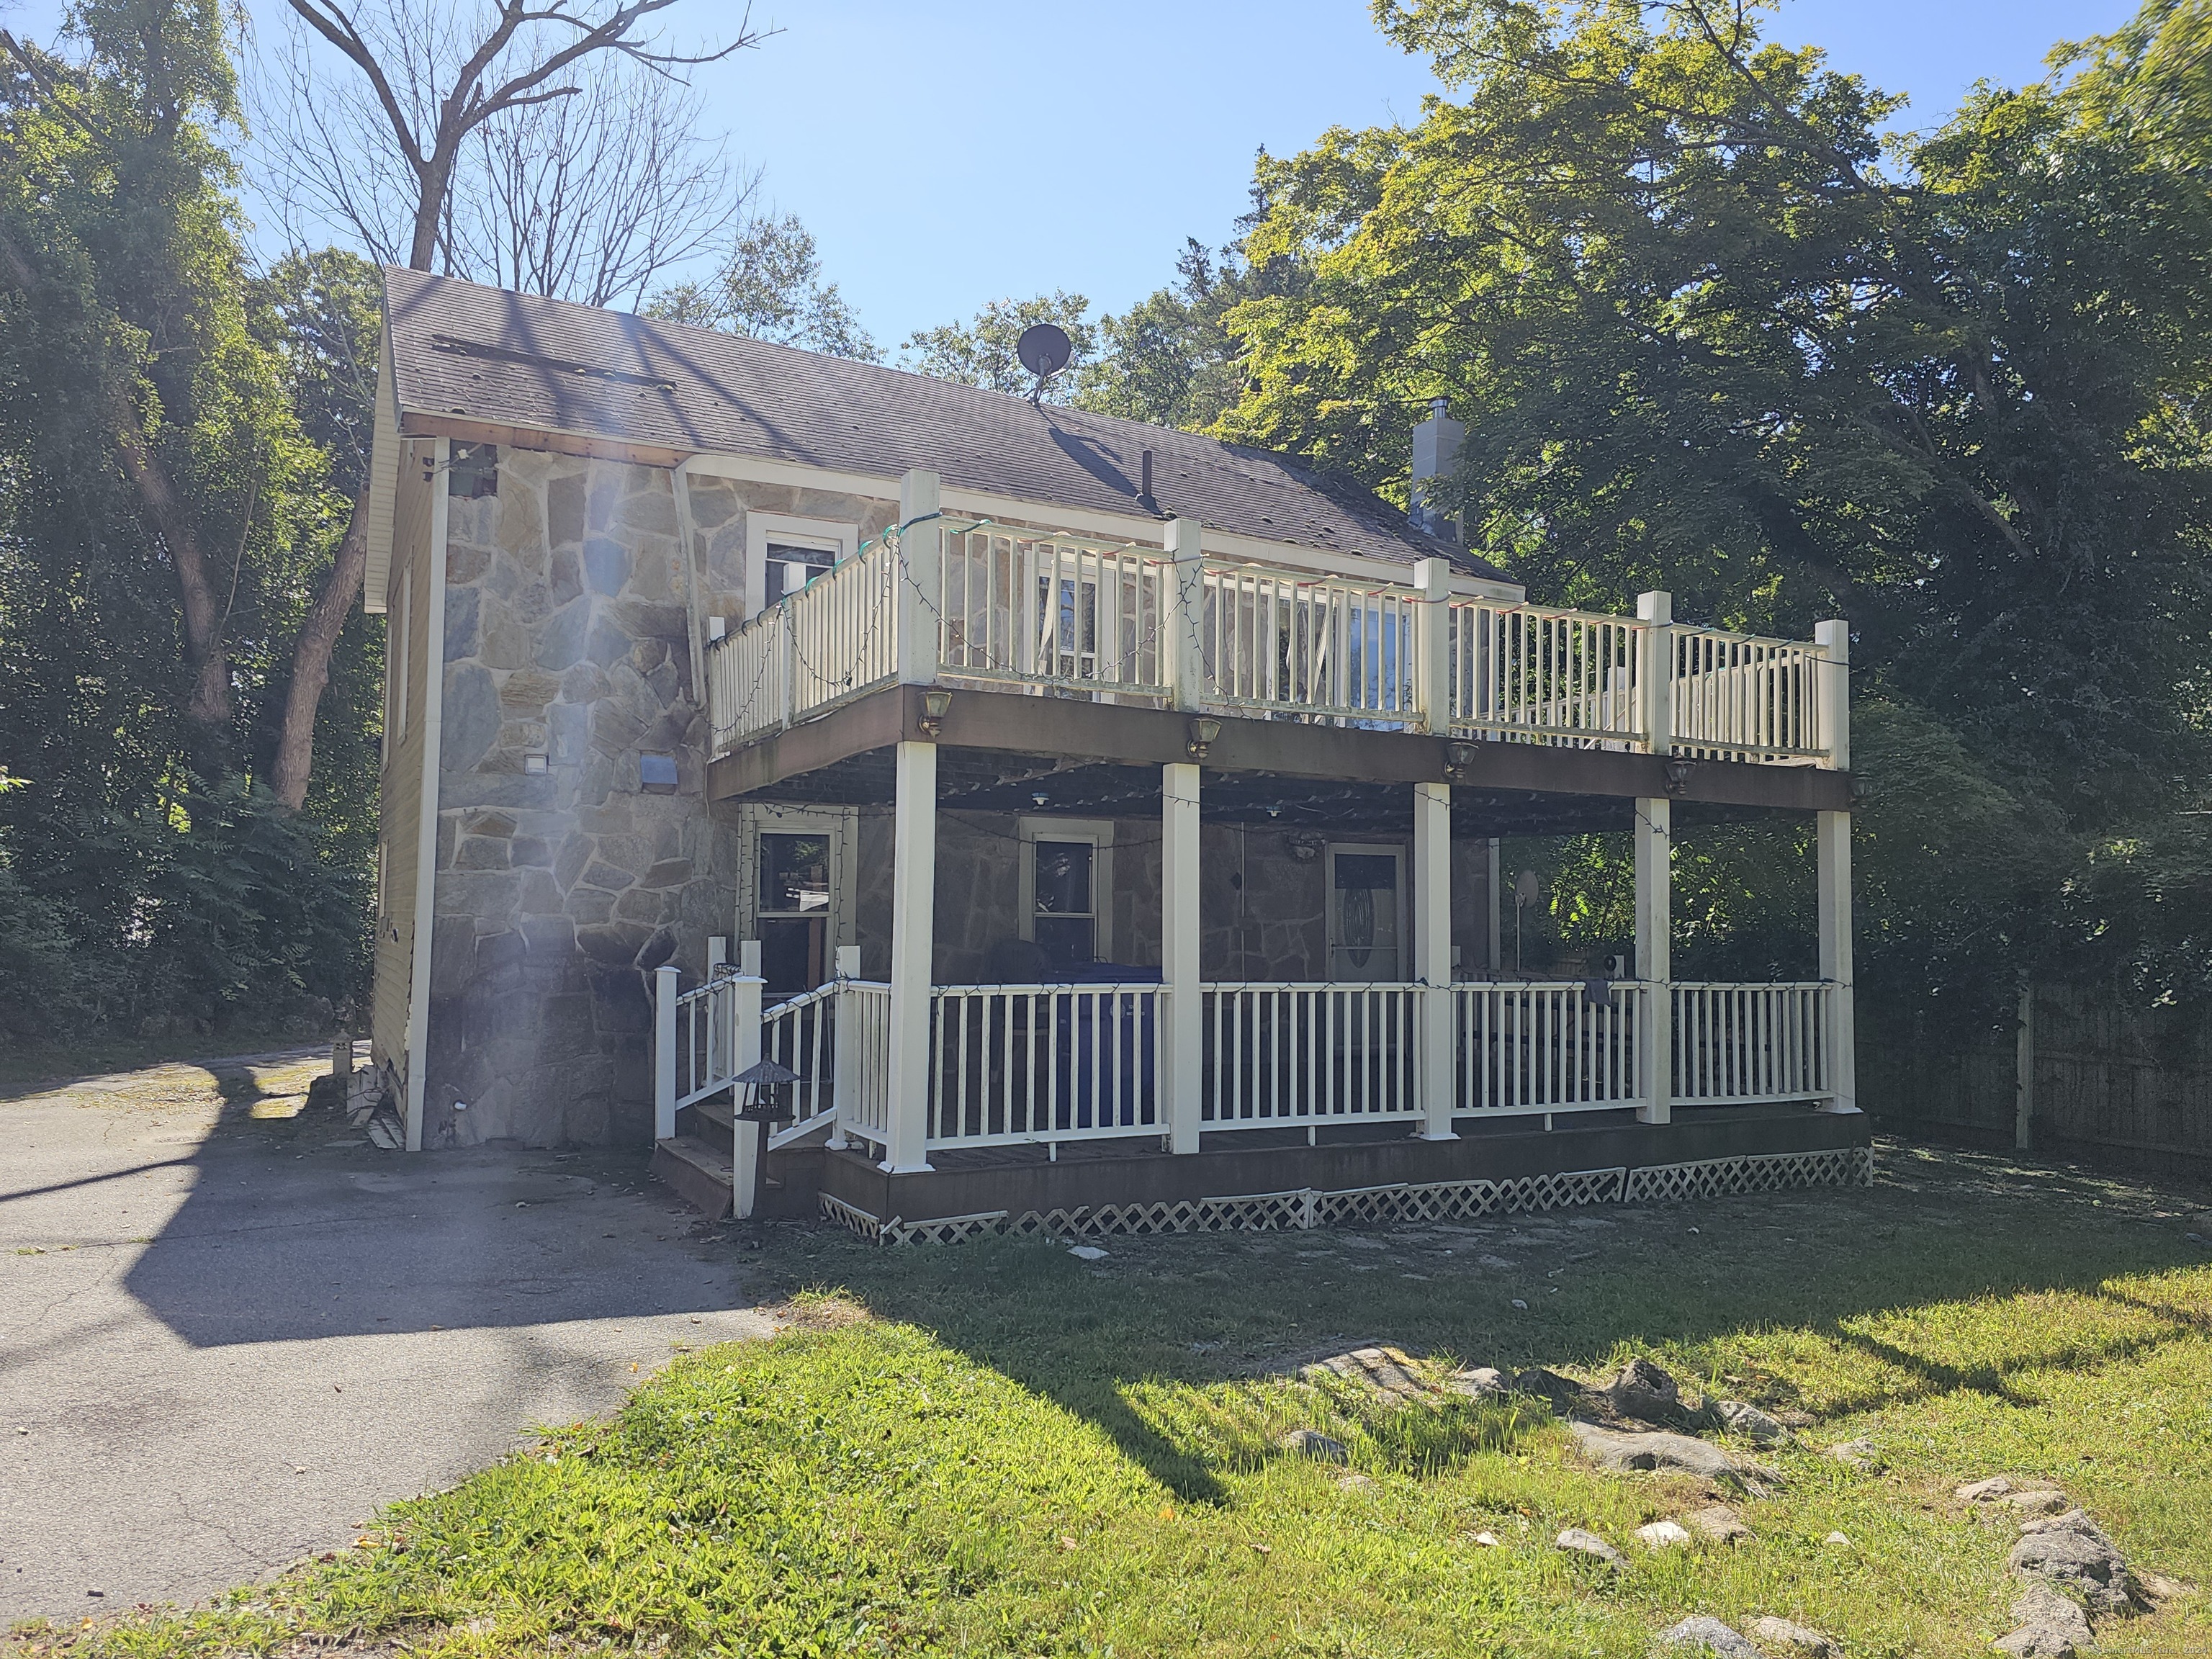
point(1833, 854)
point(1655, 1030)
point(1433, 943)
point(744, 1011)
point(921, 555)
point(1183, 1062)
point(913, 902)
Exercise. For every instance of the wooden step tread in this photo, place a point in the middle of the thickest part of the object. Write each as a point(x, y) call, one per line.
point(716, 1112)
point(700, 1154)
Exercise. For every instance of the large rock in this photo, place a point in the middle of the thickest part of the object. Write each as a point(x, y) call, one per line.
point(2071, 1551)
point(1862, 1455)
point(1663, 1536)
point(1753, 1424)
point(1702, 1633)
point(1388, 1371)
point(1718, 1522)
point(1621, 1454)
point(1579, 1541)
point(1562, 1394)
point(1788, 1638)
point(1480, 1382)
point(1644, 1391)
point(2050, 1626)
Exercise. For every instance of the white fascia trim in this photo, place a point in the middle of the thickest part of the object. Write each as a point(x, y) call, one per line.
point(1142, 530)
point(426, 853)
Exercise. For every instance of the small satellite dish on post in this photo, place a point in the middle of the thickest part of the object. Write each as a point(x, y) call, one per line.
point(1044, 349)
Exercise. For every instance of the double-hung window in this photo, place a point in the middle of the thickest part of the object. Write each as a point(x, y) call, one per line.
point(1067, 890)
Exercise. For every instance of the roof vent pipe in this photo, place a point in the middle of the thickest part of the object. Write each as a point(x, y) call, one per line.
point(1436, 449)
point(1145, 484)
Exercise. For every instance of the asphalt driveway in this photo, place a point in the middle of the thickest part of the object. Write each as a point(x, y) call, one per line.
point(230, 1328)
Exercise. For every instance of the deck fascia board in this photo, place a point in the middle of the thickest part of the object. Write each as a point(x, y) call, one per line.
point(1113, 734)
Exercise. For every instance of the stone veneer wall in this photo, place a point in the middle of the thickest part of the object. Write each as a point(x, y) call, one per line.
point(559, 893)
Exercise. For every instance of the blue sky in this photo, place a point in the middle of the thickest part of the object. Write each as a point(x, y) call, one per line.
point(959, 151)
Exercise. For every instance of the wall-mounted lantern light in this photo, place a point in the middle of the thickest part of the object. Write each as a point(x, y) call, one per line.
point(936, 704)
point(1203, 732)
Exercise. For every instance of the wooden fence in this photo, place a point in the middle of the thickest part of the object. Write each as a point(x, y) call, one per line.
point(2107, 1082)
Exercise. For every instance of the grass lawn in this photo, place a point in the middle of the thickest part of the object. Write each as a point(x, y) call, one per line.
point(999, 1449)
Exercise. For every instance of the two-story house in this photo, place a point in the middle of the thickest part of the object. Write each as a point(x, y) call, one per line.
point(1100, 819)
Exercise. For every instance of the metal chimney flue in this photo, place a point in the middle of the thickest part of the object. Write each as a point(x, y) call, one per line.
point(1436, 450)
point(1144, 498)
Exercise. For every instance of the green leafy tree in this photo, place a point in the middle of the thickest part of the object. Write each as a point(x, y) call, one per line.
point(770, 287)
point(980, 351)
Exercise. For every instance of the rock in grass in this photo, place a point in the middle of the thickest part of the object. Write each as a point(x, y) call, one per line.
point(1983, 1492)
point(1718, 1522)
point(1578, 1541)
point(1789, 1637)
point(1388, 1371)
point(1702, 1633)
point(1753, 1424)
point(2071, 1552)
point(1482, 1382)
point(1862, 1455)
point(1663, 1536)
point(1312, 1443)
point(1564, 1394)
point(2050, 1626)
point(1644, 1391)
point(2045, 1500)
point(1619, 1453)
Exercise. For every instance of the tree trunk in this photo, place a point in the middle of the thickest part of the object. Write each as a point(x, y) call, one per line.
point(208, 706)
point(295, 762)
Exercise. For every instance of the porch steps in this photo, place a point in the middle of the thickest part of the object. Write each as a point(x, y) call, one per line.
point(696, 1171)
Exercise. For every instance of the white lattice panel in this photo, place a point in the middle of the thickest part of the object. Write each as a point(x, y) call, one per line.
point(1754, 1172)
point(852, 1219)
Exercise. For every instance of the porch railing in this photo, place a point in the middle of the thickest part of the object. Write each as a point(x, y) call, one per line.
point(1060, 613)
point(1013, 1063)
point(1546, 676)
point(1548, 1046)
point(1307, 1053)
point(1737, 1043)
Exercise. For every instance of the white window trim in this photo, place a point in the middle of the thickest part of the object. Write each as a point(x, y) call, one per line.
point(840, 823)
point(1099, 832)
point(762, 528)
point(1395, 849)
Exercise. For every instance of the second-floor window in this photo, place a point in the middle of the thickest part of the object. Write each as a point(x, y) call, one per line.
point(790, 568)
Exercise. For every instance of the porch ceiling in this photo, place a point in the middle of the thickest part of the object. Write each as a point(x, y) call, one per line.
point(998, 751)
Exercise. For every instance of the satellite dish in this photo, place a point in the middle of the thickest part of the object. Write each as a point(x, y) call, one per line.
point(1044, 349)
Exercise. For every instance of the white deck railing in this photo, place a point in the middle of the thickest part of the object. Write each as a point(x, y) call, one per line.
point(800, 1034)
point(1058, 612)
point(1736, 1043)
point(1015, 1064)
point(1547, 1046)
point(1307, 645)
point(1034, 610)
point(1545, 675)
point(864, 1060)
point(1307, 1053)
point(1738, 697)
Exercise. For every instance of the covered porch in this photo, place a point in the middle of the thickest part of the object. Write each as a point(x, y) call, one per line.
point(1147, 706)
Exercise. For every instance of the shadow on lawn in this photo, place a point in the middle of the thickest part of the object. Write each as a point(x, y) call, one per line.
point(1939, 1228)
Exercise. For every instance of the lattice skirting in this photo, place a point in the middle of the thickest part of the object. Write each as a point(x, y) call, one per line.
point(1753, 1172)
point(1443, 1201)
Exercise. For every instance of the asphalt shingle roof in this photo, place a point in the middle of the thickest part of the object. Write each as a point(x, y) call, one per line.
point(483, 353)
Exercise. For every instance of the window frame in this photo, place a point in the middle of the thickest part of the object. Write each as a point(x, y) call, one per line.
point(832, 536)
point(1402, 949)
point(1099, 833)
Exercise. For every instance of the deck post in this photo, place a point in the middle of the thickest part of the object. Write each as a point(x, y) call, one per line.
point(1833, 854)
point(1432, 664)
point(1184, 1059)
point(745, 1051)
point(664, 993)
point(844, 1056)
point(1655, 967)
point(916, 602)
point(1654, 674)
point(914, 903)
point(1183, 657)
point(1438, 1075)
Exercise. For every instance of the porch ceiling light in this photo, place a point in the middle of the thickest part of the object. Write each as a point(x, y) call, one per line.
point(936, 704)
point(1203, 732)
point(1677, 774)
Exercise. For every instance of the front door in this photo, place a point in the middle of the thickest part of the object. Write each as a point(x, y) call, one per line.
point(1366, 914)
point(793, 901)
